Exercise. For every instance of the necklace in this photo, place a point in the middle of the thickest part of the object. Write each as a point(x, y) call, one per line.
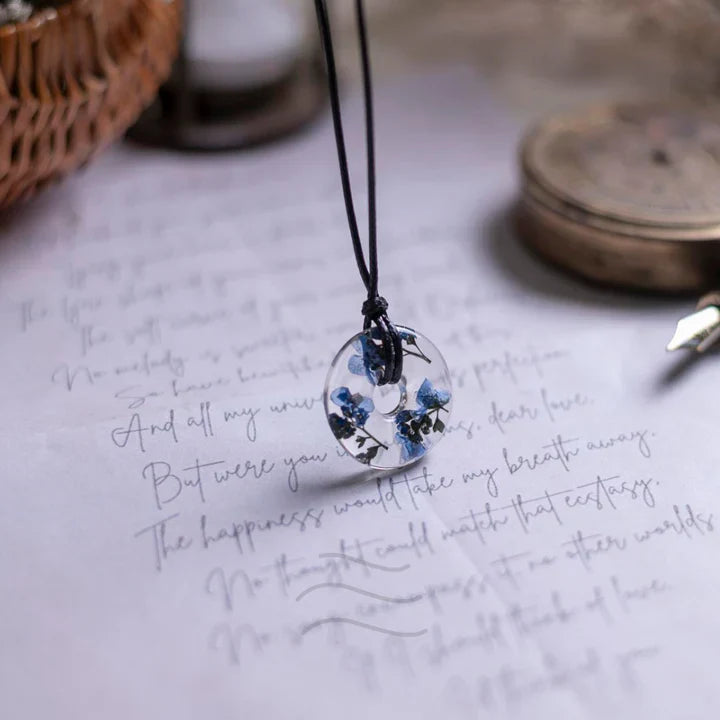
point(388, 392)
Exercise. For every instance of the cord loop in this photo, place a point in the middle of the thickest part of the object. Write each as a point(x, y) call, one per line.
point(375, 311)
point(375, 307)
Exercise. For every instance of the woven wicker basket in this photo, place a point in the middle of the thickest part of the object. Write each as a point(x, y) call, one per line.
point(73, 79)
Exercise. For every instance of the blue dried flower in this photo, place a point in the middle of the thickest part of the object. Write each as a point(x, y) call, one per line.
point(414, 425)
point(368, 359)
point(408, 435)
point(409, 449)
point(428, 398)
point(403, 420)
point(356, 408)
point(404, 333)
point(341, 427)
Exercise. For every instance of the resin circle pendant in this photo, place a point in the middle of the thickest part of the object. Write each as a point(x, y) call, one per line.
point(388, 426)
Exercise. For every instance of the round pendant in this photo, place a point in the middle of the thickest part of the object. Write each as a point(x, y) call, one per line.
point(388, 426)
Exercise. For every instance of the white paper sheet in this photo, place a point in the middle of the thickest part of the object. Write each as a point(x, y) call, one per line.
point(179, 537)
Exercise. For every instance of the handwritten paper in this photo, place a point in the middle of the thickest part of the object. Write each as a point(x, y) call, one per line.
point(180, 536)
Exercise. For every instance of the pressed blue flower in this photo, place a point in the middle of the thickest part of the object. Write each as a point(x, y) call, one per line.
point(409, 450)
point(341, 396)
point(356, 408)
point(429, 398)
point(404, 333)
point(409, 435)
point(341, 427)
point(368, 359)
point(403, 420)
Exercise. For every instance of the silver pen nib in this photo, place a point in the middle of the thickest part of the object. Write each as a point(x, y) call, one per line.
point(698, 331)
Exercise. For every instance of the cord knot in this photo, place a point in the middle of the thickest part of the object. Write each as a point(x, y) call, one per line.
point(374, 308)
point(375, 311)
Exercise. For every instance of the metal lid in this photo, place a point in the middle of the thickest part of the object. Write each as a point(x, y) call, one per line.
point(626, 194)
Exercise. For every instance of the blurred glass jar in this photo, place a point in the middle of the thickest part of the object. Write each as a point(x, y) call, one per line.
point(249, 72)
point(233, 44)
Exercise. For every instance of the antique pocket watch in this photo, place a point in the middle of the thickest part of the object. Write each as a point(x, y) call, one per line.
point(629, 195)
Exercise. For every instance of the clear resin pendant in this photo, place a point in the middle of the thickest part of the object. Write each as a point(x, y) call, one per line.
point(388, 426)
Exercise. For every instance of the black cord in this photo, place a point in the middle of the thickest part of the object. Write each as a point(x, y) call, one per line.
point(375, 307)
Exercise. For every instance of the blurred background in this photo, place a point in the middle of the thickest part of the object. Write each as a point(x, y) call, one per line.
point(250, 71)
point(541, 51)
point(541, 54)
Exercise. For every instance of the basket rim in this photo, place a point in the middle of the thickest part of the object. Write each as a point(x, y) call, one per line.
point(43, 16)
